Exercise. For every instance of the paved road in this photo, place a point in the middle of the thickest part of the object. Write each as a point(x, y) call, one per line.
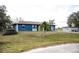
point(64, 48)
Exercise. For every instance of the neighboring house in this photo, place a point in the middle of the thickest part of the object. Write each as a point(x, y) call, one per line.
point(71, 29)
point(29, 26)
point(68, 29)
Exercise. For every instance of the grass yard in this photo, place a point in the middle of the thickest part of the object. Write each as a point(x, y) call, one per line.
point(25, 41)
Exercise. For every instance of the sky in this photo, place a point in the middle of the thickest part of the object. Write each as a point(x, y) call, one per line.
point(41, 10)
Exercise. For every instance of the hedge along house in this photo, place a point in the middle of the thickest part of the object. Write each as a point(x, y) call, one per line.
point(29, 26)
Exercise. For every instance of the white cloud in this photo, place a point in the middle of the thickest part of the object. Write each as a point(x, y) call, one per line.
point(41, 10)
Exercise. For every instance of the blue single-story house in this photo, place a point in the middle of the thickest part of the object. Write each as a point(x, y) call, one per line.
point(29, 26)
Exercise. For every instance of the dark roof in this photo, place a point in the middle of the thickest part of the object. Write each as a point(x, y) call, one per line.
point(28, 22)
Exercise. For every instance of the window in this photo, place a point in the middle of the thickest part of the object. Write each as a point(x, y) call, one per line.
point(34, 26)
point(72, 30)
point(23, 26)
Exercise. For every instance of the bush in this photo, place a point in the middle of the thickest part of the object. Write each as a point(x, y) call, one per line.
point(10, 32)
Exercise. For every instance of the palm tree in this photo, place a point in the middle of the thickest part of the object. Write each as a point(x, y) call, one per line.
point(45, 26)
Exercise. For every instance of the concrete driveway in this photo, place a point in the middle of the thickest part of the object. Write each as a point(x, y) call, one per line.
point(63, 48)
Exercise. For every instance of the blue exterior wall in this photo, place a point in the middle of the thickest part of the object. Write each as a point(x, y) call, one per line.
point(30, 27)
point(25, 27)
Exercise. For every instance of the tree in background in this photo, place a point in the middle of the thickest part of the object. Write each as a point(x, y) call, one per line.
point(4, 19)
point(51, 22)
point(73, 20)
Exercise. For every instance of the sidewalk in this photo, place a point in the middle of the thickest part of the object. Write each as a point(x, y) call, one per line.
point(63, 48)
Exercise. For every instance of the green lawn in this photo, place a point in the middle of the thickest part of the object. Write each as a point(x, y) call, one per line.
point(25, 41)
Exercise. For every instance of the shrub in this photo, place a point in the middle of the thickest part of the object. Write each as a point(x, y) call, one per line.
point(10, 32)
